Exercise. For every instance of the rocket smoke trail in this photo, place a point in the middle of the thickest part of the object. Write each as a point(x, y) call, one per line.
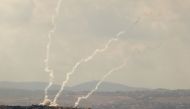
point(106, 46)
point(98, 84)
point(48, 46)
point(84, 60)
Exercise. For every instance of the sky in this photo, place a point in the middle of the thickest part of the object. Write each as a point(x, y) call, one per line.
point(157, 48)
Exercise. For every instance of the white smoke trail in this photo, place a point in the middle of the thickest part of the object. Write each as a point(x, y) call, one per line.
point(111, 71)
point(88, 59)
point(109, 42)
point(98, 84)
point(105, 47)
point(84, 60)
point(46, 61)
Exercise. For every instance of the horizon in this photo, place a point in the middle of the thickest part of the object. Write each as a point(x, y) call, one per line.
point(95, 81)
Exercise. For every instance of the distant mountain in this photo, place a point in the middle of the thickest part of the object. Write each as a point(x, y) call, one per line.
point(87, 86)
point(105, 87)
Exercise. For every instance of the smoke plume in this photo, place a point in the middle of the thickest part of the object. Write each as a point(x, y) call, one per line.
point(99, 83)
point(90, 57)
point(84, 60)
point(47, 68)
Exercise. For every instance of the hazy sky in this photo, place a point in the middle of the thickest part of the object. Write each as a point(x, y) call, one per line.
point(159, 43)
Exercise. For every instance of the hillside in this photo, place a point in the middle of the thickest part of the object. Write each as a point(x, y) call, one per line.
point(87, 86)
